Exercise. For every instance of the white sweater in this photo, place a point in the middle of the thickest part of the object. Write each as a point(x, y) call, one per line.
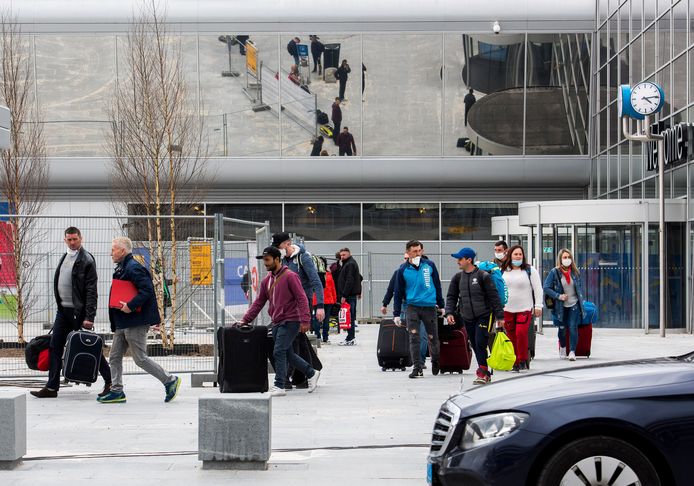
point(520, 293)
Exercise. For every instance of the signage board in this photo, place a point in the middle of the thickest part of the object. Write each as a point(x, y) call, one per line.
point(677, 143)
point(200, 262)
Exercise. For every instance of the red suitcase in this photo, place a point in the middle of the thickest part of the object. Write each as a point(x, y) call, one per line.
point(456, 354)
point(585, 339)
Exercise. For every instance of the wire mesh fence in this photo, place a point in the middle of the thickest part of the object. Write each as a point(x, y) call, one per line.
point(197, 270)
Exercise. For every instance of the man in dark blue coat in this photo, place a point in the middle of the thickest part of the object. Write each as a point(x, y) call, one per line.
point(130, 324)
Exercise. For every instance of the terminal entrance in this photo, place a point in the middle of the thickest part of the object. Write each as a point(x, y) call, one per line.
point(618, 268)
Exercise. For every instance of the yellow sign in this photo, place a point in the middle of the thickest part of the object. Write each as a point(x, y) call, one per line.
point(200, 263)
point(252, 58)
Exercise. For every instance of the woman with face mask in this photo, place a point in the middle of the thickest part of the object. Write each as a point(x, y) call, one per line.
point(524, 302)
point(564, 286)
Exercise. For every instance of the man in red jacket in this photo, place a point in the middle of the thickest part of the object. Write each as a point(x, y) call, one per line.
point(289, 313)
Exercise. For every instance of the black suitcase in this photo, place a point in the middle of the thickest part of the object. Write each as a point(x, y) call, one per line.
point(322, 118)
point(306, 352)
point(82, 357)
point(243, 353)
point(532, 337)
point(393, 350)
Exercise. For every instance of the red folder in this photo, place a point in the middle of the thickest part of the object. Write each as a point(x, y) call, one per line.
point(122, 291)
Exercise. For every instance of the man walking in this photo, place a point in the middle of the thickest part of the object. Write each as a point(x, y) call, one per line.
point(130, 324)
point(345, 143)
point(289, 313)
point(472, 293)
point(293, 50)
point(468, 101)
point(349, 290)
point(418, 284)
point(336, 117)
point(500, 250)
point(74, 287)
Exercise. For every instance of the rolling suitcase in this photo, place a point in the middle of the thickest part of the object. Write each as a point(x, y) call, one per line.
point(243, 355)
point(585, 339)
point(455, 354)
point(393, 349)
point(82, 357)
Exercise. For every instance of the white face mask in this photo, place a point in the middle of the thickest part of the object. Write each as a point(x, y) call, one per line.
point(499, 256)
point(72, 252)
point(283, 252)
point(566, 262)
point(415, 261)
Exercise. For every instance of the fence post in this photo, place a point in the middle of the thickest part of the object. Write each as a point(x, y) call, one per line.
point(215, 293)
point(220, 262)
point(371, 285)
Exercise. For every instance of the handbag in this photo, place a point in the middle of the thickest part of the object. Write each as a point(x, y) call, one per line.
point(502, 356)
point(345, 318)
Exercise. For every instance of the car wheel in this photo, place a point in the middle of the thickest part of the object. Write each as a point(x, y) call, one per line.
point(599, 460)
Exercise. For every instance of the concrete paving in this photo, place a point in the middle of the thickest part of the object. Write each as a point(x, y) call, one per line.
point(362, 425)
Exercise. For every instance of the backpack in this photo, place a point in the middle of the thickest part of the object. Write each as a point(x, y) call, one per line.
point(319, 263)
point(495, 272)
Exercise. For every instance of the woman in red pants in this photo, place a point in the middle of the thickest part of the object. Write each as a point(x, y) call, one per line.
point(524, 302)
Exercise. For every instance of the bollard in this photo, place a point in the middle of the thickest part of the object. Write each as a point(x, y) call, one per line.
point(13, 428)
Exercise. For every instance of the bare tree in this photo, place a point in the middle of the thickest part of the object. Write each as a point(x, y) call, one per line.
point(24, 169)
point(156, 142)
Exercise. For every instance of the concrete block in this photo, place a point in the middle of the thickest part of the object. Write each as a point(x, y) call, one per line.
point(13, 427)
point(234, 431)
point(198, 380)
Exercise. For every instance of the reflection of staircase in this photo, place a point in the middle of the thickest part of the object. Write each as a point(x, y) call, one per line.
point(497, 123)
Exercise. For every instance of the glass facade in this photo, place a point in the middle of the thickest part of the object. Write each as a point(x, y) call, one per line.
point(449, 105)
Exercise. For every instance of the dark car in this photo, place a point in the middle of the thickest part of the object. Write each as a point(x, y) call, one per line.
point(626, 423)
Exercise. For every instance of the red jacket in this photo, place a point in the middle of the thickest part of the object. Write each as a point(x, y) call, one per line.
point(287, 299)
point(329, 292)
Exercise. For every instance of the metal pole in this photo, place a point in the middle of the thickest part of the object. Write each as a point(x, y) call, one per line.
point(371, 284)
point(220, 269)
point(540, 254)
point(215, 292)
point(661, 231)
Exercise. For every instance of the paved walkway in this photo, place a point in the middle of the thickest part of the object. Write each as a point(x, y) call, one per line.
point(356, 405)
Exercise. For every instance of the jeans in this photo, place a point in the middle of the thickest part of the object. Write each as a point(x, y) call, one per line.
point(134, 338)
point(284, 334)
point(517, 325)
point(416, 318)
point(352, 301)
point(478, 333)
point(572, 318)
point(317, 326)
point(296, 59)
point(65, 323)
point(423, 343)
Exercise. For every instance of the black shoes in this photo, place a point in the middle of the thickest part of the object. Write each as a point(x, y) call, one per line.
point(416, 373)
point(302, 385)
point(45, 393)
point(106, 391)
point(435, 369)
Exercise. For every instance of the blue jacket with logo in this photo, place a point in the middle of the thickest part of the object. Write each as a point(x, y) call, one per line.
point(418, 286)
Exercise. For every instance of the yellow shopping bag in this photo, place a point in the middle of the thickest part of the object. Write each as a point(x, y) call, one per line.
point(502, 356)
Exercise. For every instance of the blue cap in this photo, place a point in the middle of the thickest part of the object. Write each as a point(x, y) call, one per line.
point(466, 252)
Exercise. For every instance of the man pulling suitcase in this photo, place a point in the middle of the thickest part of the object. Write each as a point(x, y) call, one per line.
point(289, 312)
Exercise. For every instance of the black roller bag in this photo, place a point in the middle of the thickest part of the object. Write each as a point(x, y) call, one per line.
point(393, 350)
point(243, 353)
point(82, 357)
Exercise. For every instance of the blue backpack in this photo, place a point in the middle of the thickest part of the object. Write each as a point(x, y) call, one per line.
point(590, 313)
point(493, 269)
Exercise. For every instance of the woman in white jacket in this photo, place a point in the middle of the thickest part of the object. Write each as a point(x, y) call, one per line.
point(525, 301)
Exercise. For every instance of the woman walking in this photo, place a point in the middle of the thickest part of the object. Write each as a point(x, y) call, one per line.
point(563, 285)
point(524, 303)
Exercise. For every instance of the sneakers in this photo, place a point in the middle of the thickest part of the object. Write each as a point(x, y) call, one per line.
point(424, 366)
point(435, 368)
point(313, 382)
point(112, 397)
point(572, 356)
point(277, 392)
point(106, 391)
point(416, 373)
point(172, 389)
point(326, 341)
point(482, 377)
point(288, 386)
point(562, 353)
point(523, 367)
point(303, 385)
point(351, 342)
point(516, 368)
point(45, 393)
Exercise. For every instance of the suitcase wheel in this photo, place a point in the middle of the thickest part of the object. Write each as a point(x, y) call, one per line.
point(384, 369)
point(403, 369)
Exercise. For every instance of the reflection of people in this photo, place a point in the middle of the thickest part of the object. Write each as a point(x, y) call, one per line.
point(342, 74)
point(363, 80)
point(293, 50)
point(317, 49)
point(242, 43)
point(469, 100)
point(317, 146)
point(294, 75)
point(336, 117)
point(345, 142)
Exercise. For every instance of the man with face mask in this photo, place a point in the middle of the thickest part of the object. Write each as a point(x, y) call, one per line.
point(75, 291)
point(500, 250)
point(289, 313)
point(473, 294)
point(419, 285)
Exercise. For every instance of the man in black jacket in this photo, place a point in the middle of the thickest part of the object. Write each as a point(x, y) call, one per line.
point(472, 293)
point(349, 290)
point(130, 324)
point(342, 74)
point(293, 50)
point(74, 286)
point(317, 49)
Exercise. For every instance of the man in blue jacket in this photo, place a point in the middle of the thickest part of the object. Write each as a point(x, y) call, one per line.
point(418, 283)
point(130, 324)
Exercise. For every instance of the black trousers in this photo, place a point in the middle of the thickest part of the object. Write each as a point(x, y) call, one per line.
point(337, 130)
point(346, 152)
point(65, 323)
point(343, 85)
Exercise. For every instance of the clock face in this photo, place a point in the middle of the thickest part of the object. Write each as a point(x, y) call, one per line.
point(646, 98)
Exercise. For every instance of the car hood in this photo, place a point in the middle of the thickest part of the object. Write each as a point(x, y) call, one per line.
point(582, 382)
